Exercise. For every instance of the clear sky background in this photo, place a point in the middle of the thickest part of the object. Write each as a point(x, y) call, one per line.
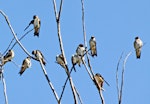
point(114, 24)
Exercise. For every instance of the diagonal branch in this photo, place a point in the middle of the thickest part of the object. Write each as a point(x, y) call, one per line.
point(101, 96)
point(21, 38)
point(14, 34)
point(64, 86)
point(49, 82)
point(81, 102)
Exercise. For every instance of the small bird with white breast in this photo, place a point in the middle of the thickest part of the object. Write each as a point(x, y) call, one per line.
point(138, 46)
point(76, 59)
point(36, 23)
point(39, 56)
point(60, 60)
point(25, 64)
point(8, 57)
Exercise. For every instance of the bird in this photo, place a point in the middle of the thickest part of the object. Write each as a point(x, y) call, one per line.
point(36, 23)
point(39, 56)
point(60, 60)
point(138, 46)
point(25, 64)
point(80, 50)
point(100, 80)
point(8, 57)
point(93, 49)
point(75, 59)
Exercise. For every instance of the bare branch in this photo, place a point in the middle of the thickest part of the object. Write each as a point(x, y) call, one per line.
point(81, 102)
point(91, 73)
point(60, 8)
point(55, 8)
point(84, 35)
point(20, 38)
point(64, 86)
point(122, 80)
point(49, 82)
point(4, 85)
point(117, 76)
point(91, 76)
point(8, 47)
point(101, 96)
point(119, 91)
point(83, 24)
point(14, 34)
point(62, 49)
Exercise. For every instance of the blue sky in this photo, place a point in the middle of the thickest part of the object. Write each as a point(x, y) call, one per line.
point(114, 24)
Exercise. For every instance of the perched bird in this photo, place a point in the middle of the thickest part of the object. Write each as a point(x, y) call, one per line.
point(93, 49)
point(38, 54)
point(138, 46)
point(25, 64)
point(81, 51)
point(8, 57)
point(36, 23)
point(60, 60)
point(75, 59)
point(100, 80)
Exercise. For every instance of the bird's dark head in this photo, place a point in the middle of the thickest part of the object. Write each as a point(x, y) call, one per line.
point(28, 57)
point(92, 37)
point(34, 16)
point(81, 45)
point(97, 74)
point(137, 37)
point(33, 52)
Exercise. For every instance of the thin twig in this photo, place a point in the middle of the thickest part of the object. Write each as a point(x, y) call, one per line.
point(122, 81)
point(49, 82)
point(21, 38)
point(84, 35)
point(14, 34)
point(5, 92)
point(60, 8)
point(83, 23)
point(117, 82)
point(91, 76)
point(8, 47)
point(81, 102)
point(64, 86)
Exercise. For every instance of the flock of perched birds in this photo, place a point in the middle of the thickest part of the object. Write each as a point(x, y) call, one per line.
point(76, 58)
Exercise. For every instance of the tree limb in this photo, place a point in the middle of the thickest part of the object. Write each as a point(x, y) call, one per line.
point(117, 82)
point(4, 85)
point(14, 34)
point(122, 82)
point(57, 16)
point(49, 82)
